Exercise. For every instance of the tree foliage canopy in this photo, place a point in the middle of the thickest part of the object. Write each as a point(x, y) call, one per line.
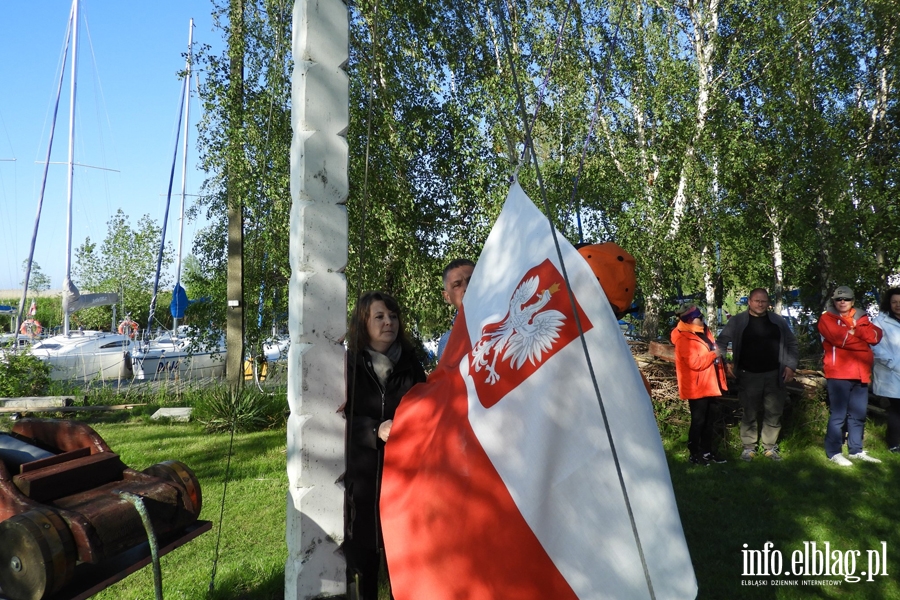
point(125, 263)
point(38, 281)
point(261, 171)
point(727, 144)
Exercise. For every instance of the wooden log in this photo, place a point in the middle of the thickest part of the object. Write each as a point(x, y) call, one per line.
point(663, 350)
point(38, 401)
point(10, 410)
point(54, 460)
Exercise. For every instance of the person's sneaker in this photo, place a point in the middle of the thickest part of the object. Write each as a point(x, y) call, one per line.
point(895, 449)
point(772, 454)
point(714, 458)
point(839, 460)
point(748, 454)
point(861, 455)
point(698, 459)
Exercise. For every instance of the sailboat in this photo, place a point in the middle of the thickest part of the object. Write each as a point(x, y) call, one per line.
point(81, 355)
point(177, 353)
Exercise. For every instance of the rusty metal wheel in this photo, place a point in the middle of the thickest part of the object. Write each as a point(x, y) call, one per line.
point(178, 472)
point(37, 556)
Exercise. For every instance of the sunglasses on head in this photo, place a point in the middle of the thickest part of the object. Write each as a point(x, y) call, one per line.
point(843, 299)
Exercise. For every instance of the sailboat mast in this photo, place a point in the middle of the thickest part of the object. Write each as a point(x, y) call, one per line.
point(37, 219)
point(184, 148)
point(71, 156)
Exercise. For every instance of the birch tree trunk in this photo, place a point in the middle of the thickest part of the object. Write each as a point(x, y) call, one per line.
point(778, 265)
point(823, 230)
point(704, 15)
point(652, 305)
point(709, 285)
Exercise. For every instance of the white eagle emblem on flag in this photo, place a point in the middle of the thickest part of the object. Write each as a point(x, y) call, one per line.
point(524, 334)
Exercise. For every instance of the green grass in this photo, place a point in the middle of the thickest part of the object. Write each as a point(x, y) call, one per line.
point(803, 498)
point(156, 393)
point(253, 547)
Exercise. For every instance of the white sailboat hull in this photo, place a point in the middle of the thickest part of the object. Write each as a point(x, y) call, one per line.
point(87, 356)
point(177, 360)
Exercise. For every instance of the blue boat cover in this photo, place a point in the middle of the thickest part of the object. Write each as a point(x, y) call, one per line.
point(179, 302)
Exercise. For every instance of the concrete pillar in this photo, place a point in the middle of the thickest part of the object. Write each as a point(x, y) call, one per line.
point(318, 300)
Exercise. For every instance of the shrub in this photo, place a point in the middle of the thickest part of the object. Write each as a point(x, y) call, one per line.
point(22, 374)
point(245, 409)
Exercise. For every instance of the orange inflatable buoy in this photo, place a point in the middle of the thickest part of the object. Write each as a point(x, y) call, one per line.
point(128, 327)
point(31, 327)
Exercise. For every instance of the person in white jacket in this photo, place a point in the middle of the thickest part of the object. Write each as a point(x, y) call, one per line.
point(886, 371)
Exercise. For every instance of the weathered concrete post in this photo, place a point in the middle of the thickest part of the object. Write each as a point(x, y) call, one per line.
point(318, 300)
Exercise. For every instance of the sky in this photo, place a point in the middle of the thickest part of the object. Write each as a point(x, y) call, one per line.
point(128, 97)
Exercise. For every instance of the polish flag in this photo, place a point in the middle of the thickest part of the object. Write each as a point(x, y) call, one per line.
point(33, 310)
point(499, 478)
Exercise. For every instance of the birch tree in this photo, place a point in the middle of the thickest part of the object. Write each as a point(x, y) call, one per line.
point(261, 168)
point(735, 144)
point(125, 263)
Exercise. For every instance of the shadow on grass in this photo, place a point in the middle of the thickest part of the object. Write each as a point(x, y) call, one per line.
point(234, 587)
point(803, 498)
point(142, 443)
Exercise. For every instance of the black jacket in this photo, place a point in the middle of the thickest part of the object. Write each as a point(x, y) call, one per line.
point(788, 351)
point(367, 408)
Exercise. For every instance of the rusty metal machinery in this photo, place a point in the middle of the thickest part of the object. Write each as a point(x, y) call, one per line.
point(61, 505)
point(37, 553)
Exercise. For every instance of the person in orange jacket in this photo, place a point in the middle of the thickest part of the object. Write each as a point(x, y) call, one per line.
point(847, 338)
point(700, 372)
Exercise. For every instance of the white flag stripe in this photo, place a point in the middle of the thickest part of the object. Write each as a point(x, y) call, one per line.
point(547, 438)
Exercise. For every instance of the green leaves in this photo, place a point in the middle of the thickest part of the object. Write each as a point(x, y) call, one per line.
point(246, 146)
point(240, 409)
point(38, 281)
point(124, 263)
point(21, 374)
point(772, 124)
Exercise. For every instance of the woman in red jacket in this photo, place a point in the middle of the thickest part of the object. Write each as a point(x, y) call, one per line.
point(847, 337)
point(701, 377)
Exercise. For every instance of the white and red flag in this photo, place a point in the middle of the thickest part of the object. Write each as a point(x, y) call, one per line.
point(499, 479)
point(33, 310)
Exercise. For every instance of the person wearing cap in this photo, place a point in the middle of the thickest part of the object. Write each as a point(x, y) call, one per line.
point(700, 372)
point(614, 269)
point(847, 338)
point(456, 280)
point(765, 355)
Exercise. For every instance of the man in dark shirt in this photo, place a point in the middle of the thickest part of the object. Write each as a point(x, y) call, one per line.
point(765, 354)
